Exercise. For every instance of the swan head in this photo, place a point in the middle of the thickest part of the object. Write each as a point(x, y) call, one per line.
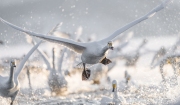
point(110, 45)
point(114, 85)
point(13, 63)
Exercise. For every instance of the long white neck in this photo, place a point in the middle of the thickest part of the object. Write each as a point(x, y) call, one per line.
point(105, 50)
point(115, 97)
point(11, 77)
point(115, 94)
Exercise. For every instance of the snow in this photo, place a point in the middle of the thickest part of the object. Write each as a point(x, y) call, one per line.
point(146, 86)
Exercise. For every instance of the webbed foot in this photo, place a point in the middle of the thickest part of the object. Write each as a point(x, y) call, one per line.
point(106, 61)
point(86, 74)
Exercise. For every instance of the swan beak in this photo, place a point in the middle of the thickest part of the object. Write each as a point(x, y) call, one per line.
point(111, 48)
point(13, 64)
point(114, 87)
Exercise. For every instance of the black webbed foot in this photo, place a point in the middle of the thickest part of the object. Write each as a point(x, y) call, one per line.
point(86, 74)
point(11, 103)
point(106, 61)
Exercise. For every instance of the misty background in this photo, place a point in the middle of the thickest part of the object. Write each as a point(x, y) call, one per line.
point(97, 17)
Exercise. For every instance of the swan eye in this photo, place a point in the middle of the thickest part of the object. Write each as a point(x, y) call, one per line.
point(110, 43)
point(13, 63)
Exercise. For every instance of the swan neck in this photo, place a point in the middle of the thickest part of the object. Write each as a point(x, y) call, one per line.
point(53, 56)
point(11, 76)
point(105, 49)
point(115, 94)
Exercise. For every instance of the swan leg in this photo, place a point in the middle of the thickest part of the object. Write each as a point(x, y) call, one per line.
point(85, 73)
point(13, 97)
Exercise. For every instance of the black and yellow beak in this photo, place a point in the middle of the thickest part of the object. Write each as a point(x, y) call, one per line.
point(168, 61)
point(111, 46)
point(13, 64)
point(114, 87)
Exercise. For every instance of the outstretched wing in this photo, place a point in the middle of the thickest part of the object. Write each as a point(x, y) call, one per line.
point(21, 65)
point(75, 46)
point(44, 56)
point(124, 28)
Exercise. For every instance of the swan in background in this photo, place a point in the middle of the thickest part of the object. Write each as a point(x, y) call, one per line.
point(158, 55)
point(92, 52)
point(10, 86)
point(56, 79)
point(172, 59)
point(169, 57)
point(171, 52)
point(131, 60)
point(127, 77)
point(116, 100)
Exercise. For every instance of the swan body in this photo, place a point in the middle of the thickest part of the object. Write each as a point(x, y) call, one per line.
point(116, 100)
point(91, 52)
point(10, 86)
point(56, 79)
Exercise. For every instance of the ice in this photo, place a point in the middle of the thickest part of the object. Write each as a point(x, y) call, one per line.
point(98, 20)
point(146, 86)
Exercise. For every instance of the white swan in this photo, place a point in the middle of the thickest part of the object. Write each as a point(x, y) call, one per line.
point(158, 55)
point(10, 86)
point(56, 79)
point(127, 77)
point(131, 60)
point(92, 52)
point(116, 100)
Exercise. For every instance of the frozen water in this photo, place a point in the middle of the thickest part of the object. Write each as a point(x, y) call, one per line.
point(146, 86)
point(97, 19)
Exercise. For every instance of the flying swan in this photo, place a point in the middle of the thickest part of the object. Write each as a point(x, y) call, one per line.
point(91, 52)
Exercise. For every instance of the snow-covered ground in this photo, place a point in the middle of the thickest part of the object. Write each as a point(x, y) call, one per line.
point(146, 84)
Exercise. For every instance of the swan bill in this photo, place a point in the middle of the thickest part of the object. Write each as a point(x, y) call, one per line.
point(13, 63)
point(114, 87)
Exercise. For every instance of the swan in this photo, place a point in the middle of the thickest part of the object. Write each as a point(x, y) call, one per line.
point(168, 59)
point(163, 52)
point(99, 72)
point(91, 52)
point(158, 55)
point(56, 79)
point(127, 77)
point(10, 86)
point(131, 60)
point(116, 100)
point(166, 55)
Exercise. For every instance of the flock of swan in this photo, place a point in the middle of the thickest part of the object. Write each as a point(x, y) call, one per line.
point(91, 53)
